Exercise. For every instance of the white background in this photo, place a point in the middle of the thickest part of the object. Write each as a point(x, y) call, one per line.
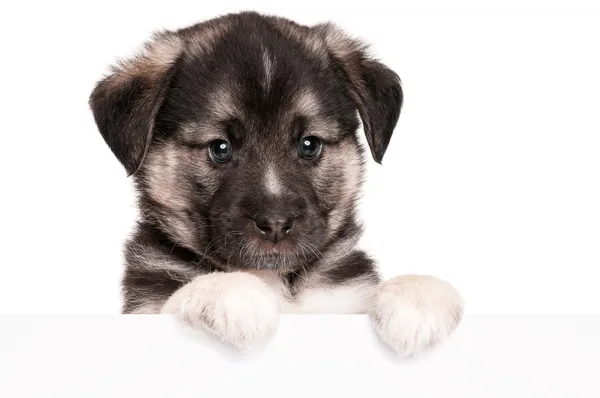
point(491, 181)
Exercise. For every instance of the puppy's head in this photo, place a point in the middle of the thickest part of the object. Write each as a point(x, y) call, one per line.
point(241, 134)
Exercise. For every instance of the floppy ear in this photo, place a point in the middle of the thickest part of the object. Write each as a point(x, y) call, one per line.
point(376, 89)
point(125, 103)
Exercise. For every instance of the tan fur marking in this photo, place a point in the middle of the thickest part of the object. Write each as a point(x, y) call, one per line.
point(339, 42)
point(169, 169)
point(337, 252)
point(303, 35)
point(323, 128)
point(169, 175)
point(201, 133)
point(202, 38)
point(164, 49)
point(164, 171)
point(149, 259)
point(222, 103)
point(156, 57)
point(346, 157)
point(307, 103)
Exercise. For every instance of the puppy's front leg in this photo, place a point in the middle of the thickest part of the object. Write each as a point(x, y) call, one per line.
point(237, 307)
point(414, 313)
point(410, 313)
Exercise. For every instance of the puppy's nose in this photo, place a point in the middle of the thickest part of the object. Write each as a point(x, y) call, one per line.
point(274, 227)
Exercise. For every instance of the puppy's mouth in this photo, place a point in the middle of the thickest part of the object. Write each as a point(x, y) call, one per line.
point(255, 252)
point(269, 248)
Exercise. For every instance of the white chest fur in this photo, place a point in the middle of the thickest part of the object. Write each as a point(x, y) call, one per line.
point(317, 298)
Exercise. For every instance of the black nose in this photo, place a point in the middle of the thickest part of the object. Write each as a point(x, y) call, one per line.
point(274, 227)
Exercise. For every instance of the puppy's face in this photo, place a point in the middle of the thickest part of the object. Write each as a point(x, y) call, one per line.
point(241, 135)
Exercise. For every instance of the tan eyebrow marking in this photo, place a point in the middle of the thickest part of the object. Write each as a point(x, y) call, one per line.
point(307, 105)
point(197, 133)
point(327, 130)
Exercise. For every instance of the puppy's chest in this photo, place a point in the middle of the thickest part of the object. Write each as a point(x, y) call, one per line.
point(311, 296)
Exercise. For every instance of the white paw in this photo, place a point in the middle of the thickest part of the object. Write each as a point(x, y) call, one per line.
point(237, 307)
point(415, 312)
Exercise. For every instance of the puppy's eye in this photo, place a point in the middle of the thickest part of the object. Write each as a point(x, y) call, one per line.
point(309, 147)
point(220, 151)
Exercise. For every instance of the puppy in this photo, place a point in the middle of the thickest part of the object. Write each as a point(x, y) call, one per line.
point(240, 134)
